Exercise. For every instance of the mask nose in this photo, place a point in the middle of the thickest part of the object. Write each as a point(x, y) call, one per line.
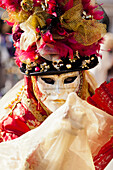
point(59, 87)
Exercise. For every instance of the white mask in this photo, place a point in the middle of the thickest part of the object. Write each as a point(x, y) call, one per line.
point(55, 88)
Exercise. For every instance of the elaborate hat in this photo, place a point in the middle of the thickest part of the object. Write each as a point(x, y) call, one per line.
point(54, 36)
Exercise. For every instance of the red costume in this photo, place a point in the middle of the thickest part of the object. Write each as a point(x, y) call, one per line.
point(54, 37)
point(27, 113)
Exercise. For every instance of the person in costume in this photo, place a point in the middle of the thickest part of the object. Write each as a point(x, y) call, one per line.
point(56, 42)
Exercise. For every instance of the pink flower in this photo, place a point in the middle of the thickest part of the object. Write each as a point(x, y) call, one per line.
point(23, 56)
point(72, 44)
point(47, 37)
point(10, 4)
point(51, 6)
point(17, 60)
point(98, 15)
point(91, 10)
point(64, 49)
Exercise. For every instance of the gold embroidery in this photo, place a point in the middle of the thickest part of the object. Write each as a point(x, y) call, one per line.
point(32, 124)
point(37, 94)
point(31, 106)
point(17, 100)
point(83, 90)
point(111, 131)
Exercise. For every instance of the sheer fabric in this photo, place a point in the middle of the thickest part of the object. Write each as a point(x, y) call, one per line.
point(68, 139)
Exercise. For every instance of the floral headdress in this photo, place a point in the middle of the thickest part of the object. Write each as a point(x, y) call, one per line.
point(54, 36)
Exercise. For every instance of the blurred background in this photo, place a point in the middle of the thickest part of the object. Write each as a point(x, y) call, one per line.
point(10, 73)
point(104, 70)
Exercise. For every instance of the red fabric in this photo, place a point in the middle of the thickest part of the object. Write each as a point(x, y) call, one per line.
point(103, 99)
point(13, 128)
point(16, 126)
point(104, 156)
point(21, 119)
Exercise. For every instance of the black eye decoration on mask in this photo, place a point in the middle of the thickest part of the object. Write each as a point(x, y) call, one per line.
point(48, 80)
point(69, 80)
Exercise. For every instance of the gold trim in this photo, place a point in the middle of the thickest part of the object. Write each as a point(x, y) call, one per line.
point(37, 94)
point(31, 106)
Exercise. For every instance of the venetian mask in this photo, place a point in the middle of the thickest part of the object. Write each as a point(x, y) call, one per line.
point(56, 88)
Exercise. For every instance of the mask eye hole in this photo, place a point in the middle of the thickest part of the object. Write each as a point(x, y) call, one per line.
point(69, 80)
point(48, 80)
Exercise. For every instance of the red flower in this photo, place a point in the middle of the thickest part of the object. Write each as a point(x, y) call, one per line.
point(17, 60)
point(51, 6)
point(10, 4)
point(22, 56)
point(83, 50)
point(91, 10)
point(47, 37)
